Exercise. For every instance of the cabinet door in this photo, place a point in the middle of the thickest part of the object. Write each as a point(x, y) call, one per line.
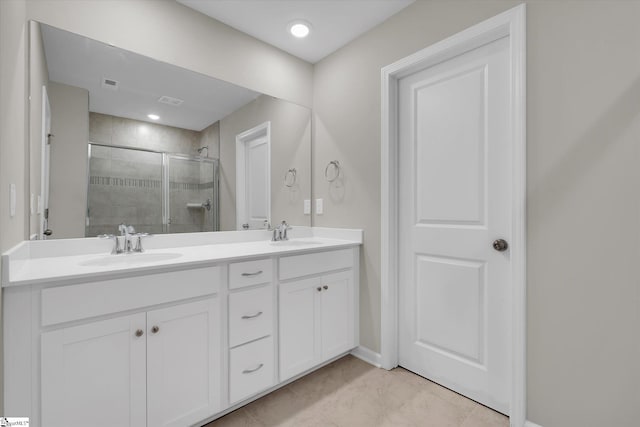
point(299, 322)
point(337, 314)
point(95, 375)
point(183, 363)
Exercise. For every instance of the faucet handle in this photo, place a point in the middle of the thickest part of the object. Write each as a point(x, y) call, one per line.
point(283, 230)
point(139, 236)
point(116, 247)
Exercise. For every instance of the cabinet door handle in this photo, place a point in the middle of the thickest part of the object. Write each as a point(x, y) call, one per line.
point(249, 371)
point(325, 287)
point(318, 289)
point(139, 333)
point(252, 274)
point(253, 316)
point(155, 329)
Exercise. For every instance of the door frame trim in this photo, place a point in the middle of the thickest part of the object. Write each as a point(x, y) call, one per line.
point(512, 24)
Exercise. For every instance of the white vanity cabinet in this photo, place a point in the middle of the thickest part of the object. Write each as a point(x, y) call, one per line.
point(316, 314)
point(173, 345)
point(159, 367)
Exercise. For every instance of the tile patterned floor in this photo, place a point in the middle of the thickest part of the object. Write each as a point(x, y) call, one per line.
point(352, 393)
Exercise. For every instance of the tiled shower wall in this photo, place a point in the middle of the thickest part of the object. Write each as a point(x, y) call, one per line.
point(125, 185)
point(112, 130)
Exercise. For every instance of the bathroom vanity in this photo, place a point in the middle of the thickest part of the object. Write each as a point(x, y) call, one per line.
point(190, 329)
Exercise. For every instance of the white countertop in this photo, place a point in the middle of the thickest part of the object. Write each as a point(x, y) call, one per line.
point(69, 261)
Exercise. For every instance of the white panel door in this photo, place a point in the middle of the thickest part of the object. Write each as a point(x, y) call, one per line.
point(455, 171)
point(257, 182)
point(183, 363)
point(337, 314)
point(299, 311)
point(95, 374)
point(253, 177)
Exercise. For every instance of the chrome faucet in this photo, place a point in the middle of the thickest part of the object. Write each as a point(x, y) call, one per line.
point(280, 232)
point(127, 231)
point(127, 235)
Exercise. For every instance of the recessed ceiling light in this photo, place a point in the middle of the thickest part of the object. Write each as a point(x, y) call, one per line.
point(299, 28)
point(153, 116)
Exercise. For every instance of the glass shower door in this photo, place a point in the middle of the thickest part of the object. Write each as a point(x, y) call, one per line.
point(125, 186)
point(191, 194)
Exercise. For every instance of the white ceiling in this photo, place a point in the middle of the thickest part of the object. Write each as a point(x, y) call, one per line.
point(78, 61)
point(334, 22)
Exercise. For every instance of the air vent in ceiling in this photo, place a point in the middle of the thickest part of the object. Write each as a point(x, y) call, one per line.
point(110, 84)
point(170, 101)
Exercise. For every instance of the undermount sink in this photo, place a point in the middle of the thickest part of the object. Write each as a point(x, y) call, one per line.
point(296, 242)
point(129, 259)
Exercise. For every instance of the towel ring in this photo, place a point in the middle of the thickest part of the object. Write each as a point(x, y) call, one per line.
point(290, 177)
point(328, 174)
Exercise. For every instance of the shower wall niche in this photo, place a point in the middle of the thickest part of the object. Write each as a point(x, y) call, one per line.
point(155, 192)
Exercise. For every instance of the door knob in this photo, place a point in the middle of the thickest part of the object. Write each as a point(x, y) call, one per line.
point(47, 232)
point(500, 245)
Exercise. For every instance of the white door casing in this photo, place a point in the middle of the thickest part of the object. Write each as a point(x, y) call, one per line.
point(253, 177)
point(509, 25)
point(455, 164)
point(45, 155)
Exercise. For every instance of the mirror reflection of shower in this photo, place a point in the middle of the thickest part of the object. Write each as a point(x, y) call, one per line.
point(156, 192)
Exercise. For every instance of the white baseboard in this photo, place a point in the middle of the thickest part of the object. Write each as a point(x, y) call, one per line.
point(530, 424)
point(369, 356)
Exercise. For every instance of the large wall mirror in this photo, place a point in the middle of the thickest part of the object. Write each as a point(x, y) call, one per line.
point(117, 137)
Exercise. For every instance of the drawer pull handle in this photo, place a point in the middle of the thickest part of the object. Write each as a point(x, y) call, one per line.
point(253, 316)
point(249, 371)
point(252, 274)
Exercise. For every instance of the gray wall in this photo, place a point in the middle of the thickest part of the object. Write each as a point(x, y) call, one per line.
point(583, 203)
point(14, 149)
point(68, 170)
point(290, 148)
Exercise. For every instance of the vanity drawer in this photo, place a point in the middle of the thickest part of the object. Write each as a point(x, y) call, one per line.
point(315, 263)
point(250, 315)
point(251, 369)
point(75, 302)
point(249, 273)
